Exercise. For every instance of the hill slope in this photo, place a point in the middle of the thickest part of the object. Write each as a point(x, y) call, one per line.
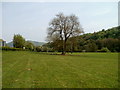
point(92, 42)
point(10, 44)
point(35, 43)
point(109, 33)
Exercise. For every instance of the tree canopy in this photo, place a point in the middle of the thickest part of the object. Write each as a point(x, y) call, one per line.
point(62, 27)
point(18, 41)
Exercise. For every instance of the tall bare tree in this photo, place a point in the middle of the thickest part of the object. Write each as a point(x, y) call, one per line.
point(63, 27)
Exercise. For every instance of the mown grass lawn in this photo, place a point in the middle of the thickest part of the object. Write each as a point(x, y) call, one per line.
point(23, 69)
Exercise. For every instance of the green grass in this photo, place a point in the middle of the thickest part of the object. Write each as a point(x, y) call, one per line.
point(22, 69)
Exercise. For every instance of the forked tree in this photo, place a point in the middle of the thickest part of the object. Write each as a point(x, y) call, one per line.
point(63, 27)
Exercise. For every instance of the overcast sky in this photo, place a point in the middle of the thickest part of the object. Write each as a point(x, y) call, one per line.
point(31, 19)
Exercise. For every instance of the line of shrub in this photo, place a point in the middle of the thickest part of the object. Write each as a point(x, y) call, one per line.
point(10, 49)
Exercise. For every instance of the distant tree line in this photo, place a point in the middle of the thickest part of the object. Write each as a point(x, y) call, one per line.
point(19, 43)
point(102, 41)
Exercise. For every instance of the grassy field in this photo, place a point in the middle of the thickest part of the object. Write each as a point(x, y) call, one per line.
point(22, 69)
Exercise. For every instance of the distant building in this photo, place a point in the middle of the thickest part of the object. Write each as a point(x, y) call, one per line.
point(2, 43)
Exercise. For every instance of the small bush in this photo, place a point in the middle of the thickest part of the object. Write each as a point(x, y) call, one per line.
point(44, 49)
point(104, 49)
point(38, 49)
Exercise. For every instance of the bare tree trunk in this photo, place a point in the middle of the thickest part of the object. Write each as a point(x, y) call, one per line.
point(71, 48)
point(63, 53)
point(64, 47)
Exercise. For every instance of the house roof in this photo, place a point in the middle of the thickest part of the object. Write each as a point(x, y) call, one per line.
point(1, 40)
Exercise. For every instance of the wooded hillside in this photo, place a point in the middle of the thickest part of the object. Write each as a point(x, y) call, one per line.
point(104, 40)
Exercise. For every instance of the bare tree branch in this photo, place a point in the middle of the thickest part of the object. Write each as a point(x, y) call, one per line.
point(63, 27)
